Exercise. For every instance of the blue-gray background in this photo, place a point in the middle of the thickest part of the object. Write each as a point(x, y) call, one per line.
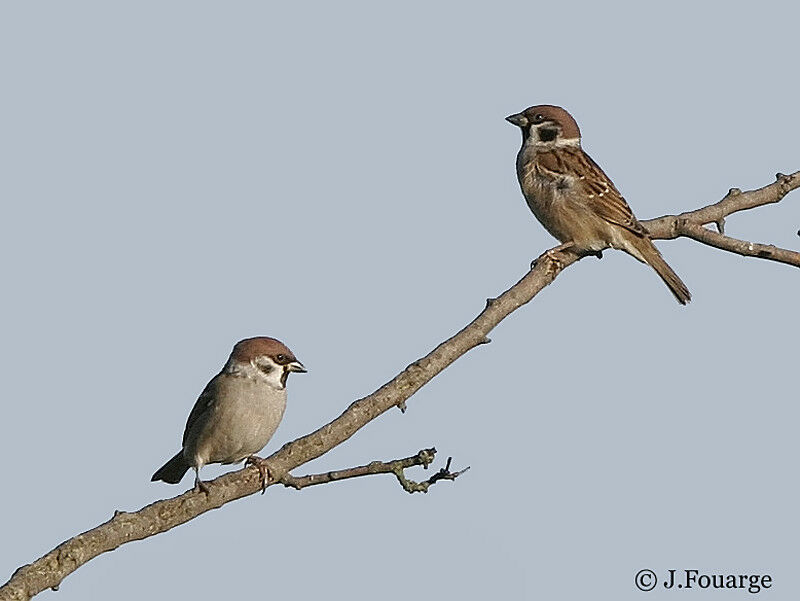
point(179, 175)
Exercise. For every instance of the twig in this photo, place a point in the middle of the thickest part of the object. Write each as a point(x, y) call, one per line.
point(443, 474)
point(396, 467)
point(695, 231)
point(690, 224)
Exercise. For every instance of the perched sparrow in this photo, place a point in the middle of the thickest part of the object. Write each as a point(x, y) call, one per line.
point(573, 199)
point(239, 410)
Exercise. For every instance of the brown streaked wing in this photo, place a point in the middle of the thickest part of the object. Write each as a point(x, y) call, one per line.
point(601, 194)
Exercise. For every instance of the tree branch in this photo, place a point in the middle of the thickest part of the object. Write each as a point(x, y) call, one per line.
point(695, 231)
point(396, 467)
point(690, 224)
point(52, 568)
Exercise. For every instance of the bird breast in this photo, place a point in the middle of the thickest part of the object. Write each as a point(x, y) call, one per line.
point(242, 420)
point(555, 201)
point(547, 197)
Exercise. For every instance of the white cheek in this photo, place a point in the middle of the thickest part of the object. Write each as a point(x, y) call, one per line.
point(533, 135)
point(273, 378)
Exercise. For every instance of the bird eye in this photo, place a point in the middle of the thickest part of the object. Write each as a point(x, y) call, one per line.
point(282, 358)
point(538, 118)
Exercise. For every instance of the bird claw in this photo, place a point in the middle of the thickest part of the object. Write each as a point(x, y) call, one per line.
point(199, 486)
point(552, 255)
point(263, 470)
point(555, 262)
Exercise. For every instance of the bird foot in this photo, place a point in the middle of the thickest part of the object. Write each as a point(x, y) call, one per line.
point(555, 260)
point(553, 256)
point(263, 470)
point(199, 485)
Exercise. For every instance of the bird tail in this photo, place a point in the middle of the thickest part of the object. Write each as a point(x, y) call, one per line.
point(650, 255)
point(173, 470)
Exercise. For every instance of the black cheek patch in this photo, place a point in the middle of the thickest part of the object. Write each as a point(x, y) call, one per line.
point(266, 368)
point(547, 134)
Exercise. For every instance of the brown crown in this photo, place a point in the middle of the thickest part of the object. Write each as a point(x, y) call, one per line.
point(569, 128)
point(248, 349)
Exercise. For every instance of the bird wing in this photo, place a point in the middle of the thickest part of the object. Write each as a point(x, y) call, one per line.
point(596, 189)
point(605, 200)
point(202, 406)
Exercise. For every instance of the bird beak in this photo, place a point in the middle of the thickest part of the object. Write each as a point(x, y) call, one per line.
point(298, 367)
point(518, 119)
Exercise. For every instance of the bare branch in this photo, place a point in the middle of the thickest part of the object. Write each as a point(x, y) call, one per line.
point(443, 474)
point(52, 568)
point(396, 467)
point(695, 231)
point(690, 224)
point(665, 228)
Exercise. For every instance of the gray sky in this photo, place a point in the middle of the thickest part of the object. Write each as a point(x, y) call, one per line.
point(180, 175)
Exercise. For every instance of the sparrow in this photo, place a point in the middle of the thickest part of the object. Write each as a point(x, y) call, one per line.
point(237, 412)
point(573, 199)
